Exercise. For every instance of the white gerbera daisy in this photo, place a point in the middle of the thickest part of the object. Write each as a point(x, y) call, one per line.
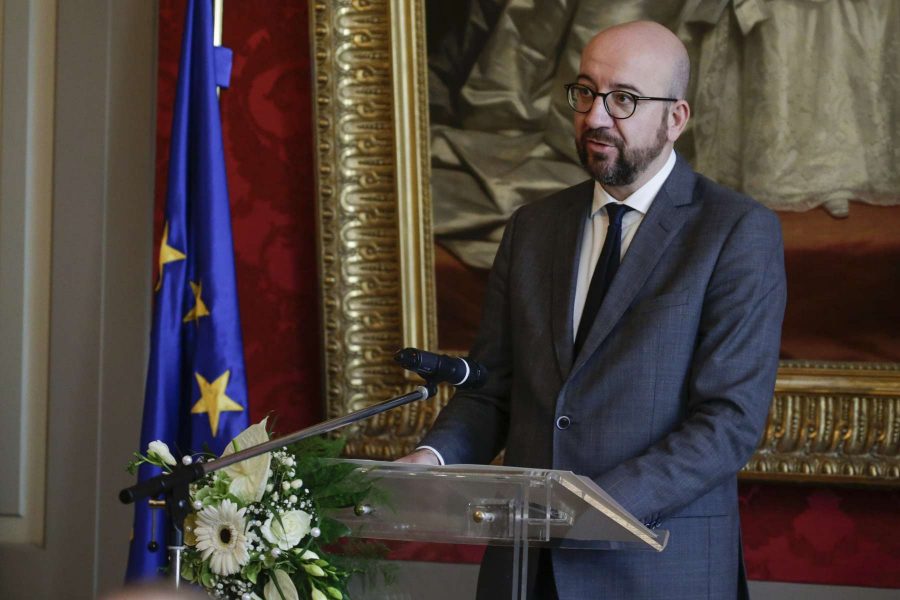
point(221, 539)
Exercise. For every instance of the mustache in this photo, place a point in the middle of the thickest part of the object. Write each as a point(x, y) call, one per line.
point(604, 136)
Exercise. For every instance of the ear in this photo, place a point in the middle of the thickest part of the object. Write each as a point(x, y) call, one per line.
point(678, 117)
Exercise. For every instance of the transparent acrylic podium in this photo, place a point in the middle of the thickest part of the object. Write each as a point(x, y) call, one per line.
point(518, 508)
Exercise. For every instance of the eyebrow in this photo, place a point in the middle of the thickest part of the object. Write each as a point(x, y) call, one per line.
point(619, 85)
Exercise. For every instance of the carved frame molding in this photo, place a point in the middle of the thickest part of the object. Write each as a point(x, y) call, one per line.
point(829, 422)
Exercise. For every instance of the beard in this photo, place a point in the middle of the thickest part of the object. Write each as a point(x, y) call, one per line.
point(629, 162)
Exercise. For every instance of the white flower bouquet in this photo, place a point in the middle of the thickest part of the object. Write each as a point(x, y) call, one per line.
point(258, 527)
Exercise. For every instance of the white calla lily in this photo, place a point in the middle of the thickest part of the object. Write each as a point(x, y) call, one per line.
point(288, 591)
point(249, 477)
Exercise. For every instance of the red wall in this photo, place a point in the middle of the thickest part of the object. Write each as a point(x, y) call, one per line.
point(791, 533)
point(808, 534)
point(267, 131)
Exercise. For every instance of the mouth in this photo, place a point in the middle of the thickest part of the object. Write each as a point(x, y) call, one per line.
point(599, 142)
point(596, 146)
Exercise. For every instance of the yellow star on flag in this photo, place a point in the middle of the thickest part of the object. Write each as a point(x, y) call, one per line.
point(213, 399)
point(199, 309)
point(167, 254)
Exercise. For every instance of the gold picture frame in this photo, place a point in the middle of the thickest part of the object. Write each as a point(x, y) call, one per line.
point(829, 422)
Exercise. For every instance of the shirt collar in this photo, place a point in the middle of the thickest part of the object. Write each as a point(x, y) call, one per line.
point(643, 197)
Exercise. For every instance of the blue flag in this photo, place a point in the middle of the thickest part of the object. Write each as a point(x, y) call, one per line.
point(196, 395)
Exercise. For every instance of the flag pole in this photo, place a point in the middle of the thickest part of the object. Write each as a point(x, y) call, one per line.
point(218, 11)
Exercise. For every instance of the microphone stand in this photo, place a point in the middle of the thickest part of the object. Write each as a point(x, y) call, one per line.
point(175, 486)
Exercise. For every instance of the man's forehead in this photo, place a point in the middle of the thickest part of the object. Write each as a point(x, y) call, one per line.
point(621, 71)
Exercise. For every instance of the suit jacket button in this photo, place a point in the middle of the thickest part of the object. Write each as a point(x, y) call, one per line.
point(563, 422)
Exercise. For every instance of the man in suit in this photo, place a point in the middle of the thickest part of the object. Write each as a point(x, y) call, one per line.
point(631, 328)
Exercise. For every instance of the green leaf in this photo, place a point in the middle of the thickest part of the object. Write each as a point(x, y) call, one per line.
point(251, 570)
point(332, 530)
point(207, 579)
point(317, 447)
point(133, 466)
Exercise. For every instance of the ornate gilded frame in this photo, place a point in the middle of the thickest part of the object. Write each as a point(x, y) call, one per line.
point(834, 422)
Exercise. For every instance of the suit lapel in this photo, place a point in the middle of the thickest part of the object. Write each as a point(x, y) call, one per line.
point(566, 250)
point(656, 232)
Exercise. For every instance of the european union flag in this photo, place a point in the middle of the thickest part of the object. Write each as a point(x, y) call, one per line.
point(196, 394)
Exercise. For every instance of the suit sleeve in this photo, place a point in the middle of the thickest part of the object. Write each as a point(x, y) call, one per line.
point(472, 428)
point(731, 381)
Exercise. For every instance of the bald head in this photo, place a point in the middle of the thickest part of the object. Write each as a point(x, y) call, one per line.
point(647, 49)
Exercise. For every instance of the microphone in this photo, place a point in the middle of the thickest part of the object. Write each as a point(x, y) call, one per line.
point(440, 368)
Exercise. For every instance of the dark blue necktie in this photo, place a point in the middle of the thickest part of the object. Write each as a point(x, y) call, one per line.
point(606, 268)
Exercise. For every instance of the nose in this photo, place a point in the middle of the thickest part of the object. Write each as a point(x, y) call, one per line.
point(598, 117)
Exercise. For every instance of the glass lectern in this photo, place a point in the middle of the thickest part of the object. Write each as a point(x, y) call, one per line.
point(519, 508)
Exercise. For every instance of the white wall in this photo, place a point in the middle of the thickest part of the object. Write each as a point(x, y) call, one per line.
point(99, 177)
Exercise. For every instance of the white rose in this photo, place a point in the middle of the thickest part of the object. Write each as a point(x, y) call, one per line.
point(288, 590)
point(161, 451)
point(287, 531)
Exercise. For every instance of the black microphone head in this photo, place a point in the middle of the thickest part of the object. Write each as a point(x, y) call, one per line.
point(439, 368)
point(408, 358)
point(426, 364)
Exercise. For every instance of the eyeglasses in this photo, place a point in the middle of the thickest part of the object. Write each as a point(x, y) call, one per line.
point(619, 104)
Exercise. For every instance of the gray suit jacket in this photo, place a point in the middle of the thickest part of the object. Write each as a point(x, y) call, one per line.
point(669, 395)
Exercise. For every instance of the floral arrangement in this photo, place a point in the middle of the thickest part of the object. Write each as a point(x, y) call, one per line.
point(259, 525)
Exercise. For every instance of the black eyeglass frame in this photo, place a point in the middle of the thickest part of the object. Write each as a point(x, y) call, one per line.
point(602, 95)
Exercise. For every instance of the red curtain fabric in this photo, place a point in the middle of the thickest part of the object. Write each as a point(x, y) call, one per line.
point(836, 536)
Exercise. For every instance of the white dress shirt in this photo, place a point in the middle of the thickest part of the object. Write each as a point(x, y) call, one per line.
point(435, 452)
point(595, 230)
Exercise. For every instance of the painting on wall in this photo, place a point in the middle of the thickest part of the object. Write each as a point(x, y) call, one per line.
point(438, 127)
point(501, 136)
